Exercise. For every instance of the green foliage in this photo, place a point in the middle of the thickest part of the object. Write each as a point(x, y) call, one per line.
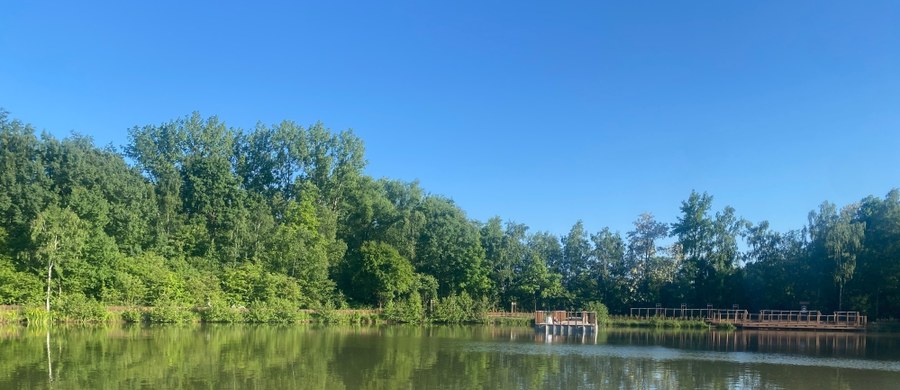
point(384, 273)
point(134, 315)
point(363, 317)
point(10, 316)
point(285, 311)
point(511, 321)
point(575, 265)
point(282, 217)
point(35, 315)
point(78, 308)
point(843, 243)
point(59, 236)
point(656, 322)
point(462, 308)
point(327, 313)
point(601, 310)
point(24, 190)
point(450, 249)
point(536, 283)
point(726, 326)
point(219, 311)
point(609, 255)
point(299, 250)
point(274, 311)
point(260, 312)
point(17, 287)
point(408, 310)
point(246, 283)
point(149, 277)
point(166, 311)
point(648, 271)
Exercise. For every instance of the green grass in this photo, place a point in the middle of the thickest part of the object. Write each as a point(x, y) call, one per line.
point(656, 322)
point(10, 317)
point(36, 316)
point(511, 321)
point(725, 326)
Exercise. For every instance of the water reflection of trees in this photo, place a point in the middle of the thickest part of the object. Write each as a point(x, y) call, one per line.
point(832, 344)
point(241, 356)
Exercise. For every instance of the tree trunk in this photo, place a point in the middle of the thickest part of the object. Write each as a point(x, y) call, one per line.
point(49, 361)
point(841, 297)
point(49, 272)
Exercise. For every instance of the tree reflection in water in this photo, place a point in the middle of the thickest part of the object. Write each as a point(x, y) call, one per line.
point(391, 357)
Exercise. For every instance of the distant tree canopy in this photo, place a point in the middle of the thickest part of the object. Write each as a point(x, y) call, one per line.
point(195, 211)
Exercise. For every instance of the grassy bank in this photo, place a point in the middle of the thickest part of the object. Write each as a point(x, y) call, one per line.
point(280, 313)
point(258, 312)
point(510, 319)
point(656, 322)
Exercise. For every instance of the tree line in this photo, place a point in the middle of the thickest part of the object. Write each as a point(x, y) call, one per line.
point(199, 213)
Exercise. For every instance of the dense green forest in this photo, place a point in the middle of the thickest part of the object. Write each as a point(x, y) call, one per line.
point(196, 212)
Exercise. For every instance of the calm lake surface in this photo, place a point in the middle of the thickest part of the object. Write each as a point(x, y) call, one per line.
point(436, 357)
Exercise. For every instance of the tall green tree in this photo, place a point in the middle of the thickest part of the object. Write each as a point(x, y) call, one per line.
point(710, 251)
point(648, 270)
point(877, 276)
point(384, 273)
point(158, 152)
point(770, 267)
point(15, 286)
point(694, 232)
point(449, 248)
point(299, 250)
point(843, 243)
point(505, 254)
point(59, 236)
point(539, 276)
point(818, 284)
point(25, 189)
point(610, 269)
point(536, 285)
point(211, 192)
point(724, 257)
point(578, 265)
point(496, 256)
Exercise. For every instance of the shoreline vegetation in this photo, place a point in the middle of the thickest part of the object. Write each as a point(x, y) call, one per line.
point(198, 221)
point(259, 314)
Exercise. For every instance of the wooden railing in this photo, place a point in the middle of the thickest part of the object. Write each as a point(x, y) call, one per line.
point(670, 312)
point(737, 316)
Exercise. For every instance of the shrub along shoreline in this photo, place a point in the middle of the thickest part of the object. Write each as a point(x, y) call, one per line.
point(454, 309)
point(282, 313)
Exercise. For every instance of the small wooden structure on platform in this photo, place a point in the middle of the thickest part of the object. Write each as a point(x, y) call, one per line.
point(565, 322)
point(765, 319)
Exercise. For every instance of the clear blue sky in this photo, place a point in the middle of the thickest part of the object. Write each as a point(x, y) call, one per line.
point(540, 112)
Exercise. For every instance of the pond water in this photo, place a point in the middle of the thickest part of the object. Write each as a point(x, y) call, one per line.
point(436, 357)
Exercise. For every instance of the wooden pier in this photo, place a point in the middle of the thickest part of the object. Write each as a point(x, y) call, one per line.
point(765, 319)
point(565, 322)
point(790, 319)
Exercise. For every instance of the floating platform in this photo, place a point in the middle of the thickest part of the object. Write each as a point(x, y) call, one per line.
point(565, 323)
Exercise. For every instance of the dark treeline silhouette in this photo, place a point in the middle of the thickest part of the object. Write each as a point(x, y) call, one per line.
point(194, 211)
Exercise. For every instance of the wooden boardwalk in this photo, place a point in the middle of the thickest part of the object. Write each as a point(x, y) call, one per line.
point(765, 319)
point(563, 322)
point(790, 319)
